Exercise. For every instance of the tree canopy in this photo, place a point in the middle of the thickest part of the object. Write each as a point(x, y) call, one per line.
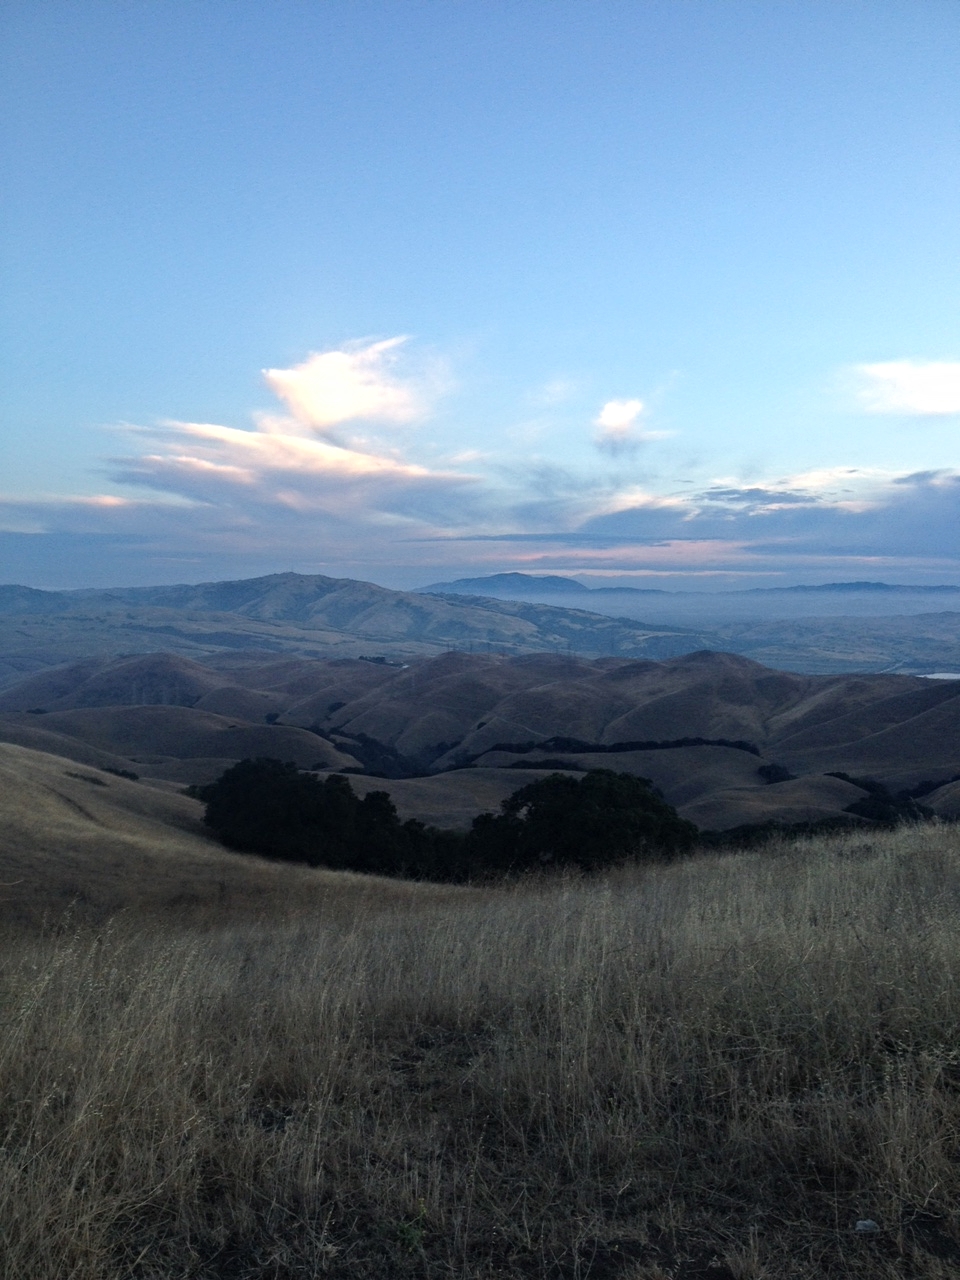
point(274, 809)
point(588, 822)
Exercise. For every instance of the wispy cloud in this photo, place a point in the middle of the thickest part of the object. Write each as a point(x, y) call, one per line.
point(293, 490)
point(556, 391)
point(916, 388)
point(833, 524)
point(241, 510)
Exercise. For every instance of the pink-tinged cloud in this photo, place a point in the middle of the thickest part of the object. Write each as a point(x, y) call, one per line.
point(354, 383)
point(271, 451)
point(266, 470)
point(218, 526)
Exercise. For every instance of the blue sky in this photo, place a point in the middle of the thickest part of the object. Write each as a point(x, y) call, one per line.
point(654, 293)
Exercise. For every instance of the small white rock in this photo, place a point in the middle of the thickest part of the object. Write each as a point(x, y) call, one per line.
point(866, 1227)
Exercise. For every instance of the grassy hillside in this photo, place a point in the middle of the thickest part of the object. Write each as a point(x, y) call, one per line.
point(709, 1071)
point(77, 839)
point(166, 717)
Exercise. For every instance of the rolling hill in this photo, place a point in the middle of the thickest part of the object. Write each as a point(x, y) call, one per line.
point(318, 617)
point(306, 615)
point(450, 735)
point(78, 839)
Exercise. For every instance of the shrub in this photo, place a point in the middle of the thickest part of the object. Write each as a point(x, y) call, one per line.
point(775, 773)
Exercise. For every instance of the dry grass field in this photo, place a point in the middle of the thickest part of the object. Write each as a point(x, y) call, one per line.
point(711, 1069)
point(75, 838)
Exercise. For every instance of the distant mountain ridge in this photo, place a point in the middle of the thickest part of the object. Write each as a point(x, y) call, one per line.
point(310, 615)
point(315, 616)
point(555, 583)
point(825, 627)
point(289, 597)
point(861, 586)
point(541, 583)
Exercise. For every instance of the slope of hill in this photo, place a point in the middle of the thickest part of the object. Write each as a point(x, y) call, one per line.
point(77, 835)
point(310, 616)
point(89, 841)
point(150, 680)
point(702, 725)
point(155, 739)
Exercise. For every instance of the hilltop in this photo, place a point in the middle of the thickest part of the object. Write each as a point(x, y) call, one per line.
point(728, 740)
point(816, 630)
point(307, 615)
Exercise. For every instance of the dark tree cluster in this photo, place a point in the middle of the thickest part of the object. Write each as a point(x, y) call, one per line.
point(580, 746)
point(882, 806)
point(271, 808)
point(274, 809)
point(587, 822)
point(775, 773)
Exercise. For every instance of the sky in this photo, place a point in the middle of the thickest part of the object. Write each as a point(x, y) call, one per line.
point(649, 293)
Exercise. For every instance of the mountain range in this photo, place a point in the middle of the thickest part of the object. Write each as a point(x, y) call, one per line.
point(829, 627)
point(451, 702)
point(522, 585)
point(728, 741)
point(307, 615)
point(320, 617)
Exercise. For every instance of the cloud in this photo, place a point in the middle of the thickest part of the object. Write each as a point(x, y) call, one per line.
point(843, 513)
point(839, 488)
point(919, 388)
point(223, 466)
point(292, 491)
point(242, 507)
point(356, 382)
point(619, 427)
point(556, 391)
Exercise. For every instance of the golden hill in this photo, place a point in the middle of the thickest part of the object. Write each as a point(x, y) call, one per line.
point(167, 717)
point(74, 837)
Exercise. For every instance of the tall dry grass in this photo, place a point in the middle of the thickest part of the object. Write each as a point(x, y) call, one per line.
point(709, 1069)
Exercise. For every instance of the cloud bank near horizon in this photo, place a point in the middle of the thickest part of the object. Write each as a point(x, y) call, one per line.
point(337, 482)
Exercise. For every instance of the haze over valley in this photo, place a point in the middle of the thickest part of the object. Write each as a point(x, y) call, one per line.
point(345, 676)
